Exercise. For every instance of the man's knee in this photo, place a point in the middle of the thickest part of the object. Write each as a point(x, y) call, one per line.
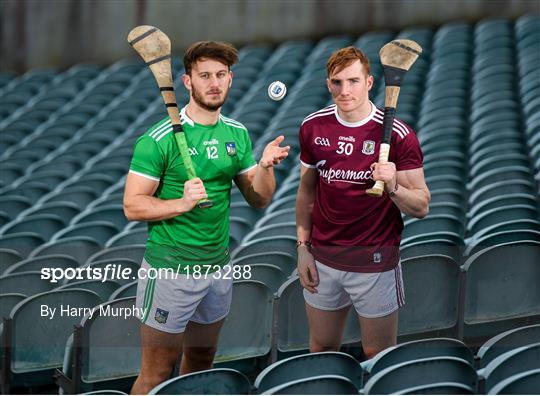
point(371, 351)
point(154, 377)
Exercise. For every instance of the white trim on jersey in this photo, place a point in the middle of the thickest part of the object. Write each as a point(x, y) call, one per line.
point(320, 113)
point(164, 134)
point(185, 117)
point(246, 170)
point(357, 123)
point(144, 175)
point(231, 122)
point(160, 129)
point(307, 165)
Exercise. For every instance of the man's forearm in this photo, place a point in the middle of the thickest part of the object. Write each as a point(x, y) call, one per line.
point(262, 188)
point(304, 209)
point(147, 208)
point(412, 202)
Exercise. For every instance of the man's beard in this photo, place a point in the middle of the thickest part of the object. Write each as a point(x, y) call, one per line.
point(199, 99)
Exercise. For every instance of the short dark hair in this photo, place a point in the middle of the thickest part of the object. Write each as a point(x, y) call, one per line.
point(344, 58)
point(216, 50)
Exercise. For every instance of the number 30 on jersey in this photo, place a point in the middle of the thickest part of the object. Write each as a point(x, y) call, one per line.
point(344, 148)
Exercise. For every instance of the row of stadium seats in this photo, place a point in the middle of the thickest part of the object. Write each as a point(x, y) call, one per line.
point(90, 358)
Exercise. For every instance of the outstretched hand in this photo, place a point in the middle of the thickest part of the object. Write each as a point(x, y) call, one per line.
point(273, 154)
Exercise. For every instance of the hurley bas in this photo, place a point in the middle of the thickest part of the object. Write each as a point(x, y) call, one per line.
point(100, 310)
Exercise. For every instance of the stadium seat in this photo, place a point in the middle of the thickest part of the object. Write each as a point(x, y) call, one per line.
point(127, 290)
point(111, 213)
point(419, 349)
point(45, 225)
point(38, 341)
point(524, 383)
point(271, 275)
point(37, 263)
point(247, 331)
point(511, 363)
point(27, 283)
point(321, 384)
point(431, 294)
point(100, 231)
point(219, 381)
point(500, 287)
point(285, 261)
point(23, 243)
point(128, 237)
point(103, 288)
point(283, 243)
point(8, 257)
point(504, 342)
point(310, 365)
point(419, 372)
point(109, 350)
point(132, 252)
point(78, 247)
point(7, 302)
point(64, 210)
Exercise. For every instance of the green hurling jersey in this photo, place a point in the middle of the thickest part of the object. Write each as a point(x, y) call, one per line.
point(219, 153)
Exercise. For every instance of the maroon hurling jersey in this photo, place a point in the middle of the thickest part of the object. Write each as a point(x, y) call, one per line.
point(352, 231)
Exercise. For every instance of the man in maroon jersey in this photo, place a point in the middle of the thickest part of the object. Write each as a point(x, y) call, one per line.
point(348, 242)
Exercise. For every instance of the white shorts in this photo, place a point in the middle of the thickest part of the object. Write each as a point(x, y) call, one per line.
point(374, 294)
point(168, 303)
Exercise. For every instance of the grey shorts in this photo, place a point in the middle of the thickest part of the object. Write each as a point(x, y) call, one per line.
point(373, 295)
point(168, 303)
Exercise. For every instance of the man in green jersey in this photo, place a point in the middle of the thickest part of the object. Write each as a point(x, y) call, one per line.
point(183, 315)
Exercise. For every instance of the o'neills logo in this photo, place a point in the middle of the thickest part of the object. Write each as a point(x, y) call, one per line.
point(342, 175)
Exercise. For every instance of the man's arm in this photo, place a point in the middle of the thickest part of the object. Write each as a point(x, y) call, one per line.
point(412, 195)
point(141, 205)
point(258, 184)
point(305, 198)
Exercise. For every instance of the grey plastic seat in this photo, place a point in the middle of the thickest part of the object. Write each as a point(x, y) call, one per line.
point(129, 237)
point(285, 244)
point(38, 263)
point(38, 341)
point(99, 231)
point(64, 210)
point(23, 243)
point(110, 345)
point(27, 283)
point(431, 294)
point(271, 275)
point(132, 252)
point(496, 238)
point(419, 349)
point(103, 288)
point(310, 365)
point(439, 388)
point(525, 383)
point(420, 372)
point(272, 230)
point(80, 248)
point(504, 342)
point(79, 195)
point(292, 327)
point(501, 214)
point(511, 363)
point(500, 286)
point(45, 225)
point(111, 213)
point(285, 261)
point(219, 381)
point(316, 385)
point(7, 302)
point(127, 290)
point(247, 331)
point(8, 257)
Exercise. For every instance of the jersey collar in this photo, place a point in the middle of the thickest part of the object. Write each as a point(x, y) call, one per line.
point(184, 117)
point(357, 123)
